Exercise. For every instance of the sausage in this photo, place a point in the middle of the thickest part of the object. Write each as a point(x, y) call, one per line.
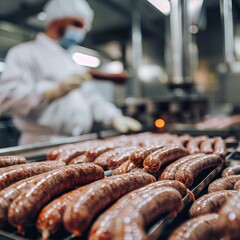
point(79, 214)
point(119, 159)
point(171, 153)
point(220, 147)
point(53, 154)
point(199, 228)
point(190, 170)
point(6, 161)
point(50, 218)
point(225, 183)
point(138, 156)
point(210, 203)
point(237, 185)
point(79, 160)
point(10, 193)
point(12, 174)
point(126, 167)
point(171, 170)
point(27, 205)
point(193, 146)
point(113, 159)
point(229, 217)
point(131, 222)
point(234, 170)
point(77, 150)
point(207, 146)
point(103, 226)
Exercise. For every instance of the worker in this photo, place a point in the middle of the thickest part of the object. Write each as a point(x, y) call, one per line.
point(48, 95)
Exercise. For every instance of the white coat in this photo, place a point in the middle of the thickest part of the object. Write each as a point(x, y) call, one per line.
point(33, 67)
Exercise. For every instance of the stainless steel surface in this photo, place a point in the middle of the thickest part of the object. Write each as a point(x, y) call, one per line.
point(136, 47)
point(226, 11)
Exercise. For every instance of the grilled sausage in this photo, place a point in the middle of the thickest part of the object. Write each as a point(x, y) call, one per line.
point(82, 210)
point(225, 183)
point(237, 185)
point(207, 146)
point(229, 217)
point(53, 154)
point(171, 170)
point(200, 228)
point(138, 156)
point(210, 203)
point(12, 174)
point(234, 170)
point(190, 170)
point(184, 139)
point(193, 146)
point(103, 226)
point(219, 146)
point(165, 155)
point(135, 216)
point(27, 205)
point(6, 161)
point(79, 160)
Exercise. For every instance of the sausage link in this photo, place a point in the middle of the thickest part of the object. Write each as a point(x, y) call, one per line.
point(229, 218)
point(184, 139)
point(203, 227)
point(6, 161)
point(82, 210)
point(54, 153)
point(131, 222)
point(169, 154)
point(219, 147)
point(103, 226)
point(126, 167)
point(50, 218)
point(193, 146)
point(171, 170)
point(138, 156)
point(190, 170)
point(237, 185)
point(234, 170)
point(207, 146)
point(12, 174)
point(210, 203)
point(225, 183)
point(27, 205)
point(79, 160)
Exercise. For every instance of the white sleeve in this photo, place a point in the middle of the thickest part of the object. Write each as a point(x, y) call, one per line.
point(103, 110)
point(19, 91)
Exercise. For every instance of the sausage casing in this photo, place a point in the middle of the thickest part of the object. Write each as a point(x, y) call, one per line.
point(225, 183)
point(6, 161)
point(190, 170)
point(210, 203)
point(234, 170)
point(165, 155)
point(27, 205)
point(82, 210)
point(202, 227)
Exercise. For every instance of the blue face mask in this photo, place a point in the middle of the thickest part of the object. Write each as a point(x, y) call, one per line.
point(72, 37)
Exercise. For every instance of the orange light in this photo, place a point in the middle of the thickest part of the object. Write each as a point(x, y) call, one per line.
point(159, 123)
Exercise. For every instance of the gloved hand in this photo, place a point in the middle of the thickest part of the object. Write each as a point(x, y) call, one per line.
point(65, 86)
point(124, 124)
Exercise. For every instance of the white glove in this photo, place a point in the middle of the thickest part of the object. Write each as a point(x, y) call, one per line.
point(124, 124)
point(65, 86)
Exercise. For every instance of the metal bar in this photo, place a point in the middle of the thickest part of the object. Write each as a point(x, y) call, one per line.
point(176, 41)
point(136, 47)
point(226, 12)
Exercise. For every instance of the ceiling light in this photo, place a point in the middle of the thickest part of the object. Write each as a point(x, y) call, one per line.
point(86, 60)
point(162, 5)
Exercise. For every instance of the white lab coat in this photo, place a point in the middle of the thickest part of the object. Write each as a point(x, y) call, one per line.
point(33, 67)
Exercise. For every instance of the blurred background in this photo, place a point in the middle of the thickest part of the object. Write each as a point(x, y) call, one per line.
point(183, 57)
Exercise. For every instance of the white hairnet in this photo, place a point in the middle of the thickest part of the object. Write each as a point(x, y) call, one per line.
point(59, 9)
